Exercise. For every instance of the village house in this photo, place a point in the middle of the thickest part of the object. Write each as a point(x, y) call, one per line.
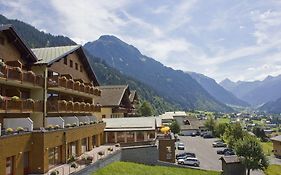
point(276, 146)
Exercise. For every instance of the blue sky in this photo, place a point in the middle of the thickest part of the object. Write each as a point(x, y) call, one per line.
point(237, 39)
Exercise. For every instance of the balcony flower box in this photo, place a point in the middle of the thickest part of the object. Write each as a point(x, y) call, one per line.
point(15, 73)
point(63, 81)
point(68, 125)
point(29, 77)
point(74, 125)
point(70, 84)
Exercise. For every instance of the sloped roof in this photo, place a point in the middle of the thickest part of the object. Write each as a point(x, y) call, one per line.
point(230, 159)
point(132, 95)
point(27, 54)
point(194, 123)
point(130, 124)
point(49, 55)
point(111, 95)
point(276, 138)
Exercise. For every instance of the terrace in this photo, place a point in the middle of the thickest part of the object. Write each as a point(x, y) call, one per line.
point(66, 84)
point(63, 106)
point(17, 105)
point(16, 76)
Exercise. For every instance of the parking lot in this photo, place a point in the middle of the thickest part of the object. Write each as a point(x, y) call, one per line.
point(206, 154)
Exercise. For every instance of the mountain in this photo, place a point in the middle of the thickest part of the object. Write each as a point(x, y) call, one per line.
point(35, 38)
point(257, 92)
point(272, 107)
point(175, 85)
point(105, 74)
point(228, 84)
point(216, 90)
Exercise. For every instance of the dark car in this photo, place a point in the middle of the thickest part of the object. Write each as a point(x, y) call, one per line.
point(226, 151)
point(206, 136)
point(194, 134)
point(184, 155)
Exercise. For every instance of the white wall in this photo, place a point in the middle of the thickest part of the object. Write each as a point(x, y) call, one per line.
point(70, 120)
point(26, 123)
point(55, 121)
point(84, 119)
point(93, 118)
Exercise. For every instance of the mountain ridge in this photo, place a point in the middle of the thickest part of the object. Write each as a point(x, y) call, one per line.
point(177, 86)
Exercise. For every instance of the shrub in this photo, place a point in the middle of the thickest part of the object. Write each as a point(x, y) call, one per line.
point(101, 153)
point(57, 126)
point(68, 125)
point(54, 172)
point(15, 98)
point(81, 123)
point(73, 165)
point(50, 127)
point(74, 124)
point(20, 129)
point(71, 159)
point(9, 130)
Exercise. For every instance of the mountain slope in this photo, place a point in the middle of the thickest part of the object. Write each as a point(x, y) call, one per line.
point(34, 37)
point(177, 86)
point(105, 74)
point(217, 91)
point(272, 107)
point(257, 92)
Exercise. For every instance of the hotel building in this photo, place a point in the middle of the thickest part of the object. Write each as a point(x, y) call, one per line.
point(47, 105)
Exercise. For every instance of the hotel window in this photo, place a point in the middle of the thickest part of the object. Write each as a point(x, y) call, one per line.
point(140, 136)
point(65, 61)
point(84, 145)
point(70, 63)
point(130, 136)
point(71, 149)
point(10, 166)
point(26, 163)
point(76, 66)
point(53, 157)
point(2, 40)
point(120, 137)
point(81, 69)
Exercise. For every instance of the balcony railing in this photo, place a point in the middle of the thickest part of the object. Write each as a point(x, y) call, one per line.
point(62, 106)
point(20, 106)
point(18, 74)
point(120, 110)
point(68, 83)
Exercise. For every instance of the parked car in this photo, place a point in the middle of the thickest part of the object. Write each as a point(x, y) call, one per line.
point(206, 136)
point(185, 155)
point(194, 134)
point(226, 151)
point(219, 144)
point(189, 161)
point(180, 146)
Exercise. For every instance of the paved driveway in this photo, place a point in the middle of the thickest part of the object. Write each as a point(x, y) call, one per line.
point(204, 151)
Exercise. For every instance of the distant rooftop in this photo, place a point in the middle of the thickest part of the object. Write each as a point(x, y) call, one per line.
point(276, 138)
point(130, 124)
point(230, 159)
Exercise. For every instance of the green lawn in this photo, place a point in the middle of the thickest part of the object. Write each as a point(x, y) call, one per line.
point(127, 168)
point(267, 148)
point(273, 170)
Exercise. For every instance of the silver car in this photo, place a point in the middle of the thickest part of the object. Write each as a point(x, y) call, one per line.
point(189, 161)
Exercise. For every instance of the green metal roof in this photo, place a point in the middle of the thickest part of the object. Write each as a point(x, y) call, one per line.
point(48, 55)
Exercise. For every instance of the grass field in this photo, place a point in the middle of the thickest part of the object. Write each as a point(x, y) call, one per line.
point(126, 168)
point(267, 148)
point(273, 170)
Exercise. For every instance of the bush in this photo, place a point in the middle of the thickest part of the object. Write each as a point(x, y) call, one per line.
point(9, 130)
point(68, 125)
point(15, 98)
point(71, 159)
point(74, 124)
point(20, 129)
point(57, 126)
point(101, 153)
point(74, 165)
point(54, 172)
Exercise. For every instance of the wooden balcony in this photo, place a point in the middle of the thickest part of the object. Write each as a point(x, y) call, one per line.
point(62, 106)
point(20, 106)
point(67, 85)
point(16, 76)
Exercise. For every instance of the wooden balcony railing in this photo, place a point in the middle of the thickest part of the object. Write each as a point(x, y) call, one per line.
point(20, 105)
point(68, 83)
point(18, 74)
point(120, 110)
point(62, 106)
